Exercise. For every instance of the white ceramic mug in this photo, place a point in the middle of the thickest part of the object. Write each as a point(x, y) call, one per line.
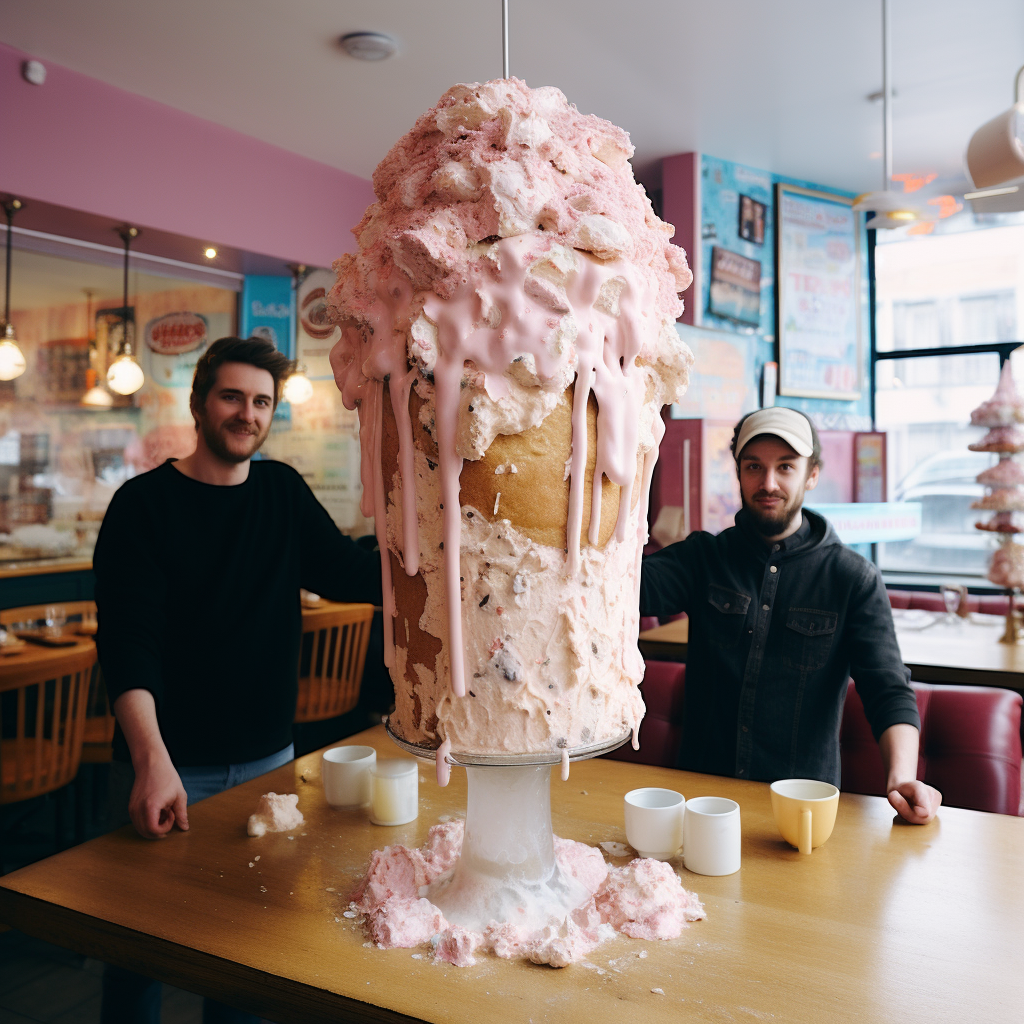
point(711, 836)
point(345, 773)
point(654, 821)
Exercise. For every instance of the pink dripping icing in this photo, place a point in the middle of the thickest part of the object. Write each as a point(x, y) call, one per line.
point(444, 771)
point(605, 362)
point(603, 358)
point(565, 764)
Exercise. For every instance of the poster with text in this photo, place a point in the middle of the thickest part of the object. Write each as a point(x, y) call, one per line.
point(818, 294)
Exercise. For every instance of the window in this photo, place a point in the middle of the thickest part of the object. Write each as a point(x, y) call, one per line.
point(954, 301)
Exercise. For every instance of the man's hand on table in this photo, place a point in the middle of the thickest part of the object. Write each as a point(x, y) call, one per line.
point(915, 801)
point(158, 800)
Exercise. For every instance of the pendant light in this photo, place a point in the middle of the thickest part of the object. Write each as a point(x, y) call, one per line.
point(96, 396)
point(297, 388)
point(125, 376)
point(12, 359)
point(891, 209)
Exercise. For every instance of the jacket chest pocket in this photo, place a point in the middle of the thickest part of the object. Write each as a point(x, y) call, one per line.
point(727, 614)
point(809, 635)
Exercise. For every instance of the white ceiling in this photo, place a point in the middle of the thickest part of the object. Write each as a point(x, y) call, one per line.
point(780, 86)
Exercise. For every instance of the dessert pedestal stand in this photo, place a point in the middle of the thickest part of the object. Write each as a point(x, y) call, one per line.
point(507, 869)
point(1012, 632)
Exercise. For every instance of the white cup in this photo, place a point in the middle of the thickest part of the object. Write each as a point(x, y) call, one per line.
point(654, 821)
point(711, 836)
point(394, 792)
point(345, 773)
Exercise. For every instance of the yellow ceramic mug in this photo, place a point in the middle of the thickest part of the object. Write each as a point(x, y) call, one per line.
point(805, 811)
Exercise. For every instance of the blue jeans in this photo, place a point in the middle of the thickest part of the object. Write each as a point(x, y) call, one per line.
point(130, 998)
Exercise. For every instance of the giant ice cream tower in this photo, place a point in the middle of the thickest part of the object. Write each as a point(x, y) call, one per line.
point(508, 339)
point(1001, 414)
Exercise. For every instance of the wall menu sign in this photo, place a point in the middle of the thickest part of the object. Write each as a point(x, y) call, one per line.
point(818, 305)
point(316, 334)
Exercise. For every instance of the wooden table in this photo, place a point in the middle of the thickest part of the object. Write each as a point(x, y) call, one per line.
point(967, 652)
point(32, 653)
point(886, 922)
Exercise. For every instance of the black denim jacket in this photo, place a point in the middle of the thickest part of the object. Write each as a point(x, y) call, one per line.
point(775, 633)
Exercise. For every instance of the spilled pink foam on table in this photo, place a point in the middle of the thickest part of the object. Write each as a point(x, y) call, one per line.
point(644, 899)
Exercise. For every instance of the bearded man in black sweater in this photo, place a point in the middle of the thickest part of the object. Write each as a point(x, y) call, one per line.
point(198, 568)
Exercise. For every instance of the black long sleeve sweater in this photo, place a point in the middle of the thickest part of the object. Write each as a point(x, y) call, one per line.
point(197, 588)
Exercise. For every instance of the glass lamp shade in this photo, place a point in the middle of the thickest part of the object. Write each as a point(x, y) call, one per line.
point(297, 389)
point(12, 359)
point(125, 376)
point(98, 398)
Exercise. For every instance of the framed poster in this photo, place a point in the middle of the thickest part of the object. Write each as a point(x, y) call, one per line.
point(752, 219)
point(735, 292)
point(316, 335)
point(869, 469)
point(818, 294)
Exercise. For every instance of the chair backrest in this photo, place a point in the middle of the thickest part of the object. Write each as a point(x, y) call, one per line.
point(42, 721)
point(332, 656)
point(99, 717)
point(661, 730)
point(970, 746)
point(37, 612)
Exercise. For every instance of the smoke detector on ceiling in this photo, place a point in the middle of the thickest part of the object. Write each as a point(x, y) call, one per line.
point(368, 45)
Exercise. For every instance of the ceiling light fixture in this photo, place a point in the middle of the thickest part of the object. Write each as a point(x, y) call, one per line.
point(890, 209)
point(368, 45)
point(987, 193)
point(125, 376)
point(12, 359)
point(996, 151)
point(96, 396)
point(211, 253)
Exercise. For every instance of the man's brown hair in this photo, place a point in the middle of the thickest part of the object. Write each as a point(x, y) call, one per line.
point(255, 351)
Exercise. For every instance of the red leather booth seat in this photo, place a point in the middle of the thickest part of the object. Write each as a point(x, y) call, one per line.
point(970, 746)
point(662, 727)
point(648, 622)
point(970, 739)
point(994, 604)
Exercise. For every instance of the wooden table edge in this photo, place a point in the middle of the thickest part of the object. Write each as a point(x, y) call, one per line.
point(246, 988)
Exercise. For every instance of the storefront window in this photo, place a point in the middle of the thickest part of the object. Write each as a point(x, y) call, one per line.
point(60, 460)
point(937, 296)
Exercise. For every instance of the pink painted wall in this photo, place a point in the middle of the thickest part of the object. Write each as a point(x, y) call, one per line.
point(80, 143)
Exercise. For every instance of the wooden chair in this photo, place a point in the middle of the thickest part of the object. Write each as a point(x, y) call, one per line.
point(42, 724)
point(32, 613)
point(97, 746)
point(333, 653)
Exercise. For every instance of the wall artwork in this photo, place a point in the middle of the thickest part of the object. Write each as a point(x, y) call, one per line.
point(818, 294)
point(735, 292)
point(752, 220)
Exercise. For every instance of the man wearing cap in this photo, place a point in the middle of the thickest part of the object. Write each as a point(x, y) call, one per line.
point(782, 614)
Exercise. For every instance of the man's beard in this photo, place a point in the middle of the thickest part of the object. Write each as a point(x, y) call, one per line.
point(771, 524)
point(215, 443)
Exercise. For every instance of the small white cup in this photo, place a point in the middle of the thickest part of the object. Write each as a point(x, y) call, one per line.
point(654, 821)
point(345, 773)
point(711, 836)
point(394, 792)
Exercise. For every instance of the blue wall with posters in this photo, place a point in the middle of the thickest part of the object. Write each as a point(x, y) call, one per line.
point(722, 185)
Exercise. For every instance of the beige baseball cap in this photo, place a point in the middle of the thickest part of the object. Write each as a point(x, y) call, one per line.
point(790, 426)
